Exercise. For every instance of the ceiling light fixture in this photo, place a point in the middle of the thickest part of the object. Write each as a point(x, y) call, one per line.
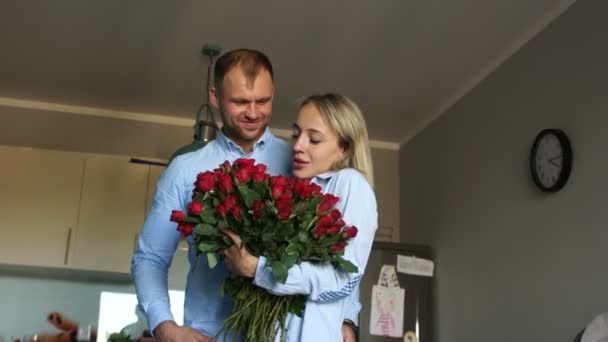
point(204, 130)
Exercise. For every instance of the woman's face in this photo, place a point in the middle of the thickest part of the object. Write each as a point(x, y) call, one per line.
point(315, 144)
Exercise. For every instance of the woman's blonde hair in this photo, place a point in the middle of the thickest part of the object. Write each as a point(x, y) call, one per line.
point(345, 117)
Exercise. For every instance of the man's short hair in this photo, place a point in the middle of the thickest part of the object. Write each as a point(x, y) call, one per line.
point(251, 61)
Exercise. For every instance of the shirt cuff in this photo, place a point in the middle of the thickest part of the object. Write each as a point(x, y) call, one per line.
point(263, 278)
point(156, 315)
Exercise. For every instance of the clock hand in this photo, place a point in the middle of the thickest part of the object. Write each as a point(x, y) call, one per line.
point(554, 163)
point(552, 159)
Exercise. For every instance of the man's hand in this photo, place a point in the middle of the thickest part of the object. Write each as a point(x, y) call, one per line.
point(169, 331)
point(238, 260)
point(348, 333)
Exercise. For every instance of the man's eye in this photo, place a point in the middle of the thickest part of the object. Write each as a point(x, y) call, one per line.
point(314, 142)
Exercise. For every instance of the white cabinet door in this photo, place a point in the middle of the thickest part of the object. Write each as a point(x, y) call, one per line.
point(39, 195)
point(111, 214)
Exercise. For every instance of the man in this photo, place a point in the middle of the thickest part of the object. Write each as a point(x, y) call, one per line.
point(243, 92)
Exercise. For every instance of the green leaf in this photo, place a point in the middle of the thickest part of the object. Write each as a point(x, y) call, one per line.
point(212, 260)
point(221, 225)
point(207, 247)
point(204, 229)
point(289, 260)
point(260, 188)
point(346, 265)
point(283, 230)
point(248, 195)
point(292, 249)
point(192, 219)
point(303, 236)
point(298, 305)
point(279, 271)
point(267, 236)
point(208, 217)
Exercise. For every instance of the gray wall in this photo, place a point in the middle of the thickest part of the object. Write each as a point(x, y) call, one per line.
point(514, 264)
point(386, 185)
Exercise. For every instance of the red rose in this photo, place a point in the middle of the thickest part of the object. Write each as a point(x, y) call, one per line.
point(315, 188)
point(340, 223)
point(226, 167)
point(329, 201)
point(337, 247)
point(230, 202)
point(224, 183)
point(284, 213)
point(236, 212)
point(221, 210)
point(335, 214)
point(177, 216)
point(333, 230)
point(243, 163)
point(318, 232)
point(258, 209)
point(205, 181)
point(195, 208)
point(325, 221)
point(185, 229)
point(260, 168)
point(302, 188)
point(350, 232)
point(279, 180)
point(243, 175)
point(277, 191)
point(260, 177)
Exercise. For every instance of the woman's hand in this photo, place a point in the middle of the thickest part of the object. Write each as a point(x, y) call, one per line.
point(238, 260)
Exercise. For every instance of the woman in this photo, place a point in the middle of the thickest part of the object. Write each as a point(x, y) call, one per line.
point(330, 146)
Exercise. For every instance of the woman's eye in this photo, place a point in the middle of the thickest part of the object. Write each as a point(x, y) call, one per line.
point(314, 142)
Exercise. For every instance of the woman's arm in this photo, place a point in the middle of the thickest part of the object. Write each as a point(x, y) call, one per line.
point(323, 282)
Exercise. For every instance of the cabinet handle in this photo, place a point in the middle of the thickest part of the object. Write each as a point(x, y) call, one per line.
point(67, 247)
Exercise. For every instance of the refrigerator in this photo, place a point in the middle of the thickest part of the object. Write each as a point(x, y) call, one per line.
point(417, 299)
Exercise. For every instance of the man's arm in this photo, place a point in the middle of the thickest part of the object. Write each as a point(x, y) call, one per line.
point(151, 261)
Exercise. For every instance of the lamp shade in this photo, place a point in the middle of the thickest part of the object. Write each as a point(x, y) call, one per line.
point(205, 132)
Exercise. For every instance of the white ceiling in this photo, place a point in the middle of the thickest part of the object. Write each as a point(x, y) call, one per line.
point(405, 62)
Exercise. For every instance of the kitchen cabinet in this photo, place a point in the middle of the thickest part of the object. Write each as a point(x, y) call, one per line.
point(112, 209)
point(39, 198)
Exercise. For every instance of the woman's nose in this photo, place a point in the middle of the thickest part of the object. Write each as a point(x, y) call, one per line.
point(297, 144)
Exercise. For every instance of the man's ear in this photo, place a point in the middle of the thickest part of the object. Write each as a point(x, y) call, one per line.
point(214, 97)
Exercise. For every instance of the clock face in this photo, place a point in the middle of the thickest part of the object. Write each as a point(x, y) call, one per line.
point(551, 160)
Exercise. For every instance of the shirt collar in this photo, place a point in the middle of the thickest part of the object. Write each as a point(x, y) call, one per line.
point(230, 145)
point(324, 177)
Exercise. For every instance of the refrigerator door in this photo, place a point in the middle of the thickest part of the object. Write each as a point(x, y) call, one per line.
point(417, 304)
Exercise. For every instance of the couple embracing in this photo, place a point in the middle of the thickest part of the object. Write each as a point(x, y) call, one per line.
point(329, 146)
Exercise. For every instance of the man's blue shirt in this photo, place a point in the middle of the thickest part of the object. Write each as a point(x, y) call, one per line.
point(204, 308)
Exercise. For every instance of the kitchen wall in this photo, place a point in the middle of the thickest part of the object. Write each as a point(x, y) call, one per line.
point(29, 295)
point(56, 130)
point(512, 263)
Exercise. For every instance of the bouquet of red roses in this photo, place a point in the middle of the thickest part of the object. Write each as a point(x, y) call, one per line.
point(287, 220)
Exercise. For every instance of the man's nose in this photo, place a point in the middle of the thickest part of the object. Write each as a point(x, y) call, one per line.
point(253, 112)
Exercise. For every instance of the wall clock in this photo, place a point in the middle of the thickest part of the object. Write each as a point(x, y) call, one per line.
point(551, 160)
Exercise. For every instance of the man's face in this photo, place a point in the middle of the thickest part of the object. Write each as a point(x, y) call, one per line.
point(245, 105)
